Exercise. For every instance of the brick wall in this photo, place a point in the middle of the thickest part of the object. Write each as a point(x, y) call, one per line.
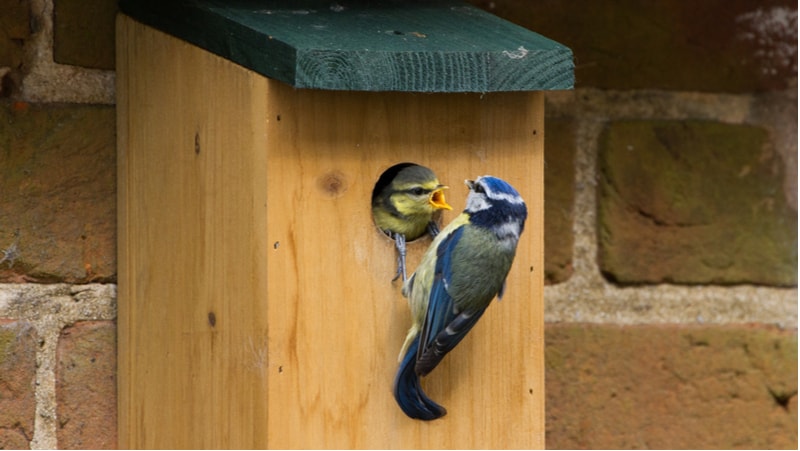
point(57, 225)
point(671, 224)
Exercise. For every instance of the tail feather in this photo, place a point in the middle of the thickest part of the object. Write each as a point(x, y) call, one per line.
point(408, 391)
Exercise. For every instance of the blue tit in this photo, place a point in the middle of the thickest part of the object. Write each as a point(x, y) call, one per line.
point(464, 268)
point(405, 207)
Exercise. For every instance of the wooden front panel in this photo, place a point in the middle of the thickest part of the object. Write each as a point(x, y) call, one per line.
point(248, 199)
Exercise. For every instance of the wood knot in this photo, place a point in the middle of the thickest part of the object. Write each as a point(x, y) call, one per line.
point(334, 183)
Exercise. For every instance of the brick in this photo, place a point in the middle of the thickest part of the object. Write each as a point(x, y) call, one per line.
point(670, 387)
point(774, 110)
point(83, 32)
point(58, 179)
point(14, 32)
point(18, 344)
point(86, 386)
point(712, 46)
point(559, 192)
point(11, 439)
point(693, 202)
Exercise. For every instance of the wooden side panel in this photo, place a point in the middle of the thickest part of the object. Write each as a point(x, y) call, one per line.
point(192, 214)
point(255, 302)
point(337, 323)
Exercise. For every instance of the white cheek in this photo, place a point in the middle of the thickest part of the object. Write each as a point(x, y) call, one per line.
point(477, 202)
point(509, 230)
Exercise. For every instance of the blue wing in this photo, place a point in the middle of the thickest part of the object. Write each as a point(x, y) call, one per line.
point(445, 324)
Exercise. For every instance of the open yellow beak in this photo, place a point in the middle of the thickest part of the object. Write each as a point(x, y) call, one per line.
point(437, 198)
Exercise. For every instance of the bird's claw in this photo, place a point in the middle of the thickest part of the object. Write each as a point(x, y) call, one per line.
point(400, 244)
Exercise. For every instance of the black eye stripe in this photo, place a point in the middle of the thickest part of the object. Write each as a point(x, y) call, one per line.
point(417, 191)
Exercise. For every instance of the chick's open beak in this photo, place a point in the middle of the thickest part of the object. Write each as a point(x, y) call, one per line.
point(437, 198)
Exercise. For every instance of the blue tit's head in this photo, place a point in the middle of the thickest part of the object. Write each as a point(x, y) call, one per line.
point(494, 204)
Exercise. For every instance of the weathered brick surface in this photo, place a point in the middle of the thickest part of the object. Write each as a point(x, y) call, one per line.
point(14, 31)
point(713, 45)
point(58, 185)
point(18, 344)
point(693, 202)
point(778, 114)
point(86, 386)
point(559, 192)
point(83, 32)
point(662, 387)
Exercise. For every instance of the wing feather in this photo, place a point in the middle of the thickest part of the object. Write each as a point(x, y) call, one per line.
point(445, 324)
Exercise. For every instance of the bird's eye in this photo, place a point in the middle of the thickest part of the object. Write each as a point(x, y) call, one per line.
point(417, 191)
point(478, 188)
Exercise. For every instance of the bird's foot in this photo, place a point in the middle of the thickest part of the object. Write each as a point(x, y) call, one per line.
point(400, 244)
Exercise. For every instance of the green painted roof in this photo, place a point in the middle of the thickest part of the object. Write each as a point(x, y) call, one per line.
point(422, 46)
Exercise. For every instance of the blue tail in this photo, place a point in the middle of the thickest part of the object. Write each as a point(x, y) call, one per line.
point(408, 391)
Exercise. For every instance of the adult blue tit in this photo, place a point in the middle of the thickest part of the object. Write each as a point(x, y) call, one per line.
point(405, 204)
point(464, 268)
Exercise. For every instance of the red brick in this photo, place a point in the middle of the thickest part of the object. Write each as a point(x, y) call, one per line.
point(58, 184)
point(14, 32)
point(693, 202)
point(13, 439)
point(83, 32)
point(86, 386)
point(676, 387)
point(559, 192)
point(712, 45)
point(18, 344)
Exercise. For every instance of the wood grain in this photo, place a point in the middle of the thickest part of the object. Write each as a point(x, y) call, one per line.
point(423, 46)
point(248, 199)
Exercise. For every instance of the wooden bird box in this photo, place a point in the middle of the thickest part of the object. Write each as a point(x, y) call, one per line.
point(256, 308)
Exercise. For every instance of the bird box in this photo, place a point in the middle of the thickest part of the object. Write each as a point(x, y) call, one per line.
point(256, 302)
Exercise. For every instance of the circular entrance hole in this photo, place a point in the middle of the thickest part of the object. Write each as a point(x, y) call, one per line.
point(406, 198)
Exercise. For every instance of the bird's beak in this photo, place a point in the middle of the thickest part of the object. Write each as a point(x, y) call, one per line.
point(437, 198)
point(470, 184)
